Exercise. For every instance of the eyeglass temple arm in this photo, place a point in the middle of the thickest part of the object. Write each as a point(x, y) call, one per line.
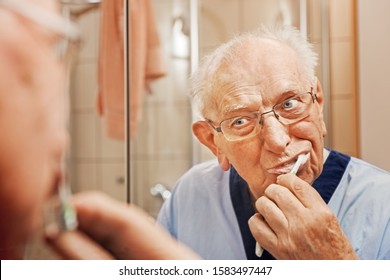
point(217, 129)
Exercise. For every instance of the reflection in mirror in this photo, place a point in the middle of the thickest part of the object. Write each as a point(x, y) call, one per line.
point(164, 147)
point(161, 149)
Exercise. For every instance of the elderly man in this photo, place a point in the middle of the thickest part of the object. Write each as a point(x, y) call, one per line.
point(262, 110)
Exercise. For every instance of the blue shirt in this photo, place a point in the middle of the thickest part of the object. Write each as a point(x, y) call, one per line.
point(209, 208)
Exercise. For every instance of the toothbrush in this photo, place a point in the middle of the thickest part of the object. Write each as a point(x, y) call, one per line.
point(301, 160)
point(259, 250)
point(67, 217)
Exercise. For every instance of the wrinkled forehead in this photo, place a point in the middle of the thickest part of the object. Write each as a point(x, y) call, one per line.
point(255, 71)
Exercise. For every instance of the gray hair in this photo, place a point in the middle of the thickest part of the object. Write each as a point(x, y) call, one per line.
point(201, 79)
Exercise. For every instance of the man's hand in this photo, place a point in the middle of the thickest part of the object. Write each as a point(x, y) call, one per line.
point(293, 222)
point(109, 229)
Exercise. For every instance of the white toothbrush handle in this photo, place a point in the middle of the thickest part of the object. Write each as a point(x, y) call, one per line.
point(259, 250)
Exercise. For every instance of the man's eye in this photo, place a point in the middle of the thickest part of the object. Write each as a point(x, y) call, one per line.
point(240, 122)
point(290, 104)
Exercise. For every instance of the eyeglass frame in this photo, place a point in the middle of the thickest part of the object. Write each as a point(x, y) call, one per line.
point(64, 27)
point(55, 23)
point(260, 122)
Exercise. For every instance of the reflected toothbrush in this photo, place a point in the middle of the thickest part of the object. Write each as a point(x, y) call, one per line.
point(301, 160)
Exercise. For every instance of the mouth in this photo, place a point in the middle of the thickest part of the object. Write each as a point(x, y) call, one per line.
point(288, 166)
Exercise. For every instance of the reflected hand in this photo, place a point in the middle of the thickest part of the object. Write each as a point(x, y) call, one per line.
point(109, 229)
point(293, 222)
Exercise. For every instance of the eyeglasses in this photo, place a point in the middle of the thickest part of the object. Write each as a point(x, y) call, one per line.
point(289, 111)
point(69, 33)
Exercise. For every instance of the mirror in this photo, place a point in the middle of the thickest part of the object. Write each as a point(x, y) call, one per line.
point(164, 147)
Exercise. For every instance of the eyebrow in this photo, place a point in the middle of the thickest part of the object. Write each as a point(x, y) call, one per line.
point(236, 108)
point(241, 107)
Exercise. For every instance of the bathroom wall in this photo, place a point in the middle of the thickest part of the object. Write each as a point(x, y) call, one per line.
point(97, 162)
point(343, 77)
point(374, 83)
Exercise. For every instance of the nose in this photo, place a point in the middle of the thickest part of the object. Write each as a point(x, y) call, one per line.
point(275, 135)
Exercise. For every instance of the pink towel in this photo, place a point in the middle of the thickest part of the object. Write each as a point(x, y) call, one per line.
point(145, 63)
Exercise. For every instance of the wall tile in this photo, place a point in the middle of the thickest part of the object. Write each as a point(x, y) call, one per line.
point(145, 141)
point(113, 180)
point(89, 27)
point(314, 20)
point(341, 18)
point(342, 67)
point(257, 12)
point(344, 126)
point(84, 86)
point(108, 148)
point(219, 20)
point(85, 176)
point(173, 130)
point(142, 171)
point(83, 129)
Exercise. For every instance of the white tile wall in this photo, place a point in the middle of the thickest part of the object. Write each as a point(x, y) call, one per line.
point(84, 176)
point(84, 86)
point(98, 162)
point(217, 24)
point(83, 136)
point(112, 179)
point(89, 27)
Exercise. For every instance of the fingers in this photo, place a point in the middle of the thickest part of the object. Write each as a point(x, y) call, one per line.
point(303, 191)
point(261, 231)
point(283, 198)
point(125, 231)
point(272, 214)
point(292, 197)
point(293, 222)
point(75, 245)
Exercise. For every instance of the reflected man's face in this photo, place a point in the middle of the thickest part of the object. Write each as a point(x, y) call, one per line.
point(261, 74)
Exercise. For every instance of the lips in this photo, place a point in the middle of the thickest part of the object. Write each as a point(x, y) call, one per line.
point(284, 167)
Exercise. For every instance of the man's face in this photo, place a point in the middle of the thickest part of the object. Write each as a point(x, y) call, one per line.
point(266, 73)
point(32, 123)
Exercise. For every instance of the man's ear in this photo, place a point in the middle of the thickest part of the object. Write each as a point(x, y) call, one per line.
point(202, 131)
point(205, 135)
point(320, 102)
